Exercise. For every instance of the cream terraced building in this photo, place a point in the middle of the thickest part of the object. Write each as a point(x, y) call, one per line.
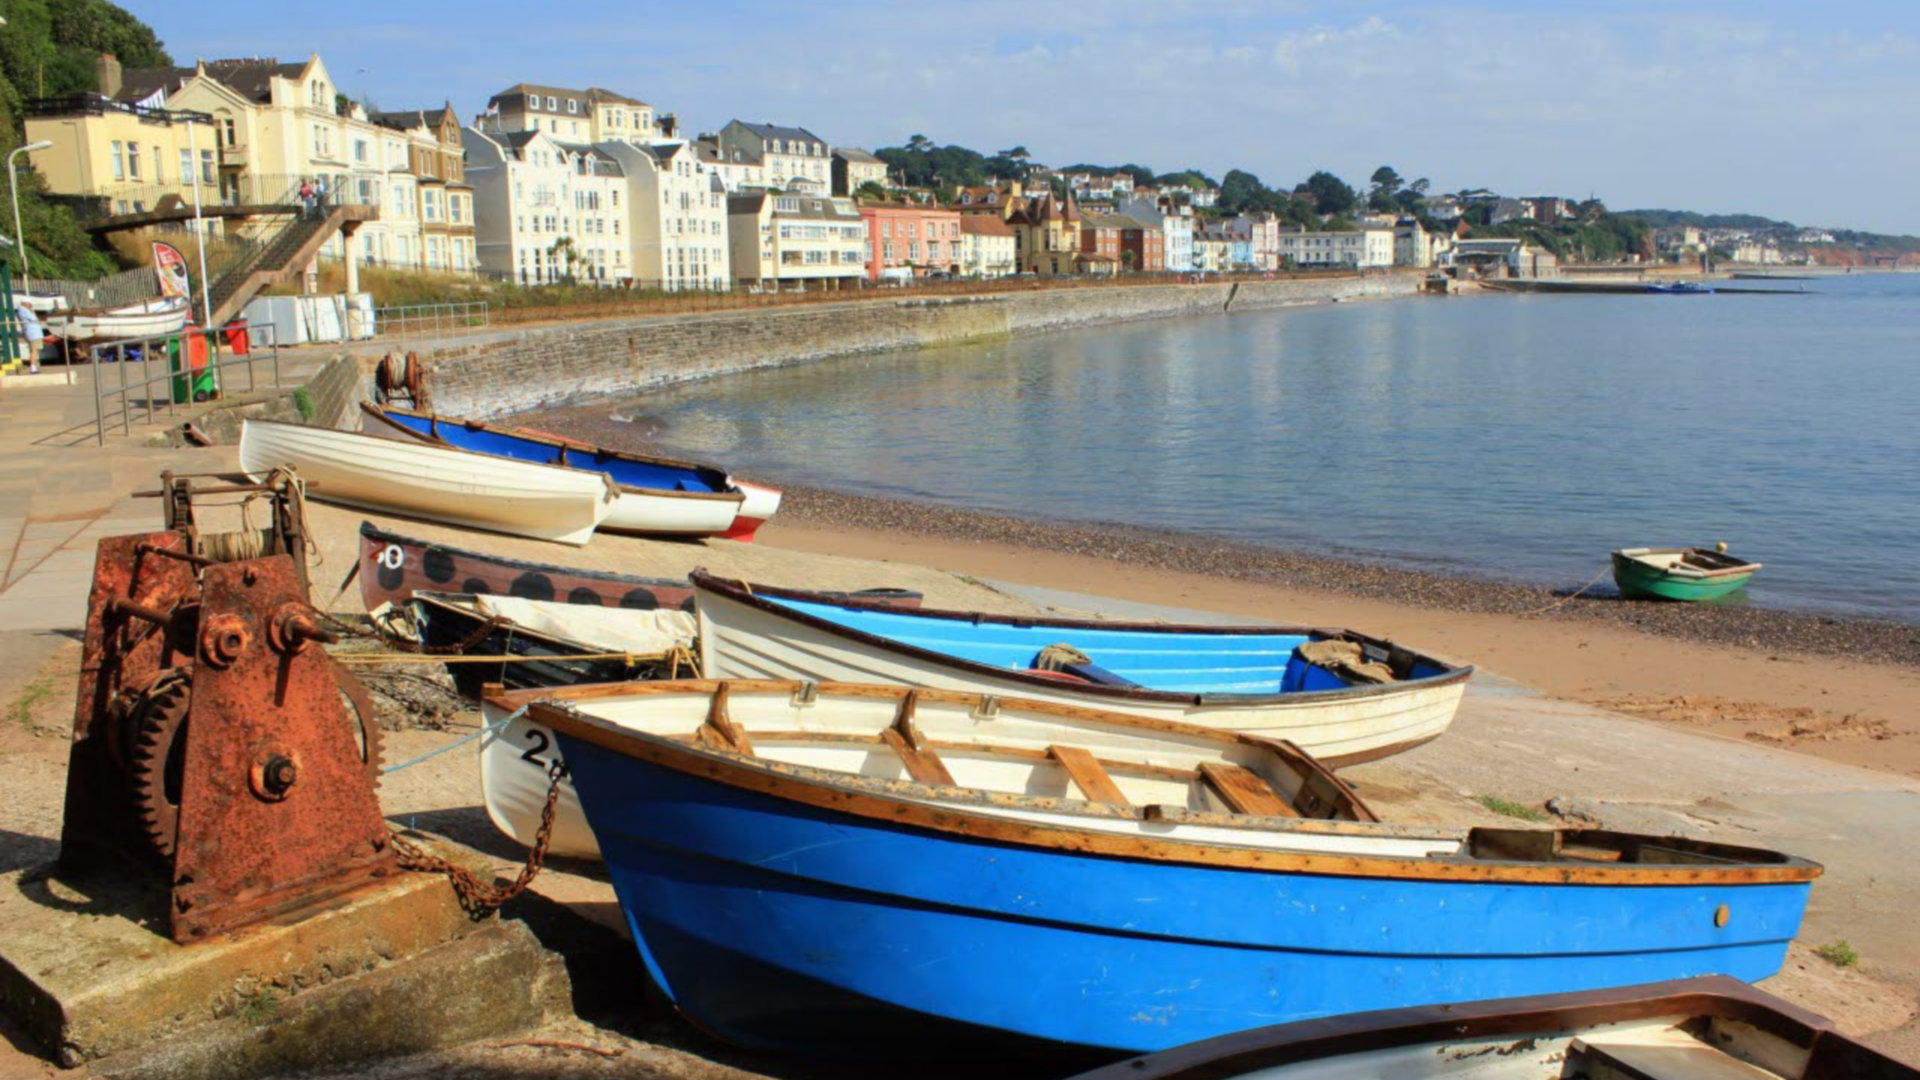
point(273, 125)
point(781, 238)
point(1364, 248)
point(585, 116)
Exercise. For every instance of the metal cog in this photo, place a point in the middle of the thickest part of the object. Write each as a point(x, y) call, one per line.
point(372, 740)
point(158, 755)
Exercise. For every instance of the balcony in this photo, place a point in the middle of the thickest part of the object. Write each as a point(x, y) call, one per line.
point(234, 157)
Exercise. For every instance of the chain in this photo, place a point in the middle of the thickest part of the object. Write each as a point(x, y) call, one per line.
point(479, 897)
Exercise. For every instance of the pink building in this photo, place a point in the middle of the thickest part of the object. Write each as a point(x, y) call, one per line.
point(910, 236)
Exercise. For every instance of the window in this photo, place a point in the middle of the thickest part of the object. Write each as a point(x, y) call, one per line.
point(360, 150)
point(553, 104)
point(186, 166)
point(573, 105)
point(133, 161)
point(232, 133)
point(206, 166)
point(119, 162)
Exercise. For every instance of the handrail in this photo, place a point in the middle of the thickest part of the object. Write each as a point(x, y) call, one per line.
point(260, 340)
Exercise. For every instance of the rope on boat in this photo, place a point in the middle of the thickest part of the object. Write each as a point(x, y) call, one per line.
point(489, 729)
point(1569, 597)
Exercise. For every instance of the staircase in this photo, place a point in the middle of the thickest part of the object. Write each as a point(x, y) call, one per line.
point(281, 258)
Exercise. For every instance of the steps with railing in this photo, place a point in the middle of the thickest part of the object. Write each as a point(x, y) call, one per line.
point(281, 257)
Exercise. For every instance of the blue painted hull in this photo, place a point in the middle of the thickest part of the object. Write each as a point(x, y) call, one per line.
point(627, 470)
point(785, 926)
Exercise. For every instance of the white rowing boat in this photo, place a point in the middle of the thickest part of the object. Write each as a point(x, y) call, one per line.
point(432, 482)
point(149, 318)
point(1265, 680)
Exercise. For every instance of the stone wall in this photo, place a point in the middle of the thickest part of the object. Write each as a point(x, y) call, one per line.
point(549, 366)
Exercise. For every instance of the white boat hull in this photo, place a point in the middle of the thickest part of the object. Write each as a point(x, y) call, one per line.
point(671, 513)
point(742, 642)
point(155, 318)
point(432, 482)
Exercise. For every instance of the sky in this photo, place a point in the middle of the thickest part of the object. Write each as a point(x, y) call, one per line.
point(1793, 110)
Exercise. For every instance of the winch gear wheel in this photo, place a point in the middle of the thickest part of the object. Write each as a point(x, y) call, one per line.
point(158, 753)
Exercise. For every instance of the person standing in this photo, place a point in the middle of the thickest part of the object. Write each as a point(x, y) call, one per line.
point(306, 197)
point(31, 332)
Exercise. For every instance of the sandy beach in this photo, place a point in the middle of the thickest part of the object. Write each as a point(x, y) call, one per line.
point(1835, 687)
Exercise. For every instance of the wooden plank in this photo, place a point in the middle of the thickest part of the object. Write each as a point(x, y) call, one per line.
point(719, 731)
point(1655, 1061)
point(1087, 774)
point(922, 763)
point(1243, 791)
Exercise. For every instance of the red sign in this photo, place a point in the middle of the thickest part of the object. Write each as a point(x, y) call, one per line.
point(171, 266)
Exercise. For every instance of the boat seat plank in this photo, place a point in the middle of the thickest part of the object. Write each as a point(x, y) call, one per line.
point(1087, 774)
point(1245, 792)
point(1662, 1061)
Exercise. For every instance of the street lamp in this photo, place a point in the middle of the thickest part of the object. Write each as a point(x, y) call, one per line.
point(13, 184)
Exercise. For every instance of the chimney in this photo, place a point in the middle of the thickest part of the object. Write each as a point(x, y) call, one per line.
point(107, 71)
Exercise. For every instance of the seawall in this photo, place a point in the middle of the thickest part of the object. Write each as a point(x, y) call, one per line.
point(571, 363)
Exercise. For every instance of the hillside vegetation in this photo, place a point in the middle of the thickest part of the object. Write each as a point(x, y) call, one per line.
point(48, 48)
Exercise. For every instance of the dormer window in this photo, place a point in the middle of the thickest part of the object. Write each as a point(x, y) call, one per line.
point(573, 105)
point(553, 103)
point(533, 103)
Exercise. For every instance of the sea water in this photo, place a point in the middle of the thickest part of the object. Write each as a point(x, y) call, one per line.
point(1519, 437)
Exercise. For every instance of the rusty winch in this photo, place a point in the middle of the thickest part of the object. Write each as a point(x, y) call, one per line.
point(214, 739)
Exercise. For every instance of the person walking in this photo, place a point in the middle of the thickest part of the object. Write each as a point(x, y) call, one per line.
point(306, 197)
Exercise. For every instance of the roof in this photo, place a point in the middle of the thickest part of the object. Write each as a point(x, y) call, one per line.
point(1099, 220)
point(776, 131)
point(608, 164)
point(591, 95)
point(984, 225)
point(709, 152)
point(407, 119)
point(250, 77)
point(848, 153)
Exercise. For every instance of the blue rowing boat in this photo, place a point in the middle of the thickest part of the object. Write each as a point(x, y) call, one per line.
point(795, 883)
point(658, 495)
point(1679, 288)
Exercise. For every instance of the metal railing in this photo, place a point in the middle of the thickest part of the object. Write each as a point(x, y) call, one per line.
point(184, 384)
point(414, 321)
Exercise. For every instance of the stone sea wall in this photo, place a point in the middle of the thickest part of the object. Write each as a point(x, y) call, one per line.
point(568, 364)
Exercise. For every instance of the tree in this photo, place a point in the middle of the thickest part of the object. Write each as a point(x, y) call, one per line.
point(1142, 176)
point(871, 189)
point(1238, 189)
point(1330, 194)
point(1018, 153)
point(919, 144)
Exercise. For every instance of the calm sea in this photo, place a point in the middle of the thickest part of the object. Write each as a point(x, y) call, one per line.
point(1516, 437)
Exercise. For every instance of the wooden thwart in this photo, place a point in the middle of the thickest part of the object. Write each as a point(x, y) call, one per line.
point(1087, 774)
point(1245, 792)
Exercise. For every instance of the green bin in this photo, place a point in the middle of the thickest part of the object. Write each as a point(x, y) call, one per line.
point(197, 380)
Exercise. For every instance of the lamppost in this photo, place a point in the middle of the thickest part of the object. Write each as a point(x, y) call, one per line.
point(13, 184)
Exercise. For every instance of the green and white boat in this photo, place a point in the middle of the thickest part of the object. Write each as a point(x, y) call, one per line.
point(1680, 573)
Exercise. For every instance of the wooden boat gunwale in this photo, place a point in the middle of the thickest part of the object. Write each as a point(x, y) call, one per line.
point(752, 595)
point(1224, 1057)
point(730, 492)
point(1678, 569)
point(376, 534)
point(943, 809)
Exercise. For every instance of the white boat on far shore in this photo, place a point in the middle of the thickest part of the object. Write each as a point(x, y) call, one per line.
point(148, 318)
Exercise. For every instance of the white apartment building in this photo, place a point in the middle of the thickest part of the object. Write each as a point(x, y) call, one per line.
point(547, 211)
point(1360, 248)
point(677, 204)
point(792, 158)
point(781, 238)
point(988, 246)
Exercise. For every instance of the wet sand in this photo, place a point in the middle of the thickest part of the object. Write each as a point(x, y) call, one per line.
point(1832, 686)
